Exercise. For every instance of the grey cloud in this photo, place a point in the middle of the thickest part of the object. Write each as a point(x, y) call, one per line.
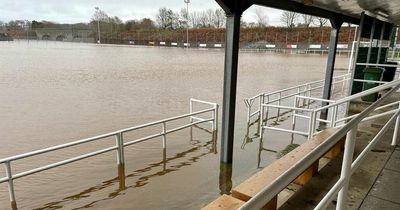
point(73, 11)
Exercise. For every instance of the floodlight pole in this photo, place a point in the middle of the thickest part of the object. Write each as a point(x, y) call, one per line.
point(187, 22)
point(98, 26)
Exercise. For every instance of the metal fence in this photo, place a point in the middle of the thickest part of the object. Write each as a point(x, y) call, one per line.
point(347, 126)
point(120, 144)
point(277, 97)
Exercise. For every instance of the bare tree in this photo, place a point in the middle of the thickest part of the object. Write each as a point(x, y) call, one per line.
point(182, 18)
point(307, 20)
point(219, 18)
point(195, 19)
point(166, 18)
point(206, 19)
point(289, 19)
point(321, 21)
point(2, 25)
point(261, 18)
point(100, 15)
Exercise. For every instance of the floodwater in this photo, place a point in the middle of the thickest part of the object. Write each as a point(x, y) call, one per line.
point(54, 93)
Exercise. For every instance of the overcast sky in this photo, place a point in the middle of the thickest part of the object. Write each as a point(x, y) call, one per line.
point(73, 11)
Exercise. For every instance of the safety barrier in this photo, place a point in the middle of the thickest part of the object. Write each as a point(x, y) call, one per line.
point(347, 127)
point(119, 147)
point(277, 97)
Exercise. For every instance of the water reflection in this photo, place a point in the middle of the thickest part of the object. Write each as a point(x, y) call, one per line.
point(261, 149)
point(141, 178)
point(251, 137)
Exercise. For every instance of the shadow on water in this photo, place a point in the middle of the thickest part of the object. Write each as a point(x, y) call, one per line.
point(139, 174)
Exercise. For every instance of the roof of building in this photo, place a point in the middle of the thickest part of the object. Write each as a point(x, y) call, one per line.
point(347, 10)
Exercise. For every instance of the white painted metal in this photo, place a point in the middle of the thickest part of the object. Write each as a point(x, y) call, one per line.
point(269, 191)
point(10, 181)
point(119, 143)
point(396, 130)
point(305, 90)
point(346, 166)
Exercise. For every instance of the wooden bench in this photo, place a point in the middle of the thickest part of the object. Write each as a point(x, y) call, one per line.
point(250, 187)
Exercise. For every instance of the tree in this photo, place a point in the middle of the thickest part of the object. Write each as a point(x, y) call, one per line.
point(2, 24)
point(115, 23)
point(204, 20)
point(321, 21)
point(219, 18)
point(100, 15)
point(195, 19)
point(147, 23)
point(166, 18)
point(261, 18)
point(289, 19)
point(182, 19)
point(307, 20)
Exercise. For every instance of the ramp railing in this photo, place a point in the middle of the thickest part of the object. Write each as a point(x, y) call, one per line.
point(315, 114)
point(119, 145)
point(277, 97)
point(348, 128)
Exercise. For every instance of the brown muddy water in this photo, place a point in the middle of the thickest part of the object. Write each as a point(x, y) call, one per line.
point(54, 93)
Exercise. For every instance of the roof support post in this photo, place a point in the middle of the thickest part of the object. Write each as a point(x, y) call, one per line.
point(336, 24)
point(230, 81)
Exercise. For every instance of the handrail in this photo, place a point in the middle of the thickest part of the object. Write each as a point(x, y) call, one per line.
point(120, 144)
point(376, 64)
point(87, 140)
point(269, 192)
point(279, 95)
point(361, 94)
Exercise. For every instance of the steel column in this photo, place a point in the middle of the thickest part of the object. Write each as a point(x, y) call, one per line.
point(230, 81)
point(336, 24)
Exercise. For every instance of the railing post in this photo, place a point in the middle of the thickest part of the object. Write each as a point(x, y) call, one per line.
point(121, 160)
point(191, 110)
point(215, 118)
point(120, 149)
point(11, 185)
point(309, 95)
point(334, 116)
point(311, 125)
point(259, 106)
point(164, 138)
point(260, 127)
point(267, 109)
point(304, 94)
point(298, 93)
point(396, 130)
point(248, 105)
point(346, 167)
point(279, 103)
point(294, 115)
point(343, 83)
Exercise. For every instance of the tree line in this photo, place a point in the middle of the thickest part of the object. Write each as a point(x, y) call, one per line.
point(167, 19)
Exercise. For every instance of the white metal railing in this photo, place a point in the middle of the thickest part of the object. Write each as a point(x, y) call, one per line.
point(119, 147)
point(347, 129)
point(277, 97)
point(314, 115)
